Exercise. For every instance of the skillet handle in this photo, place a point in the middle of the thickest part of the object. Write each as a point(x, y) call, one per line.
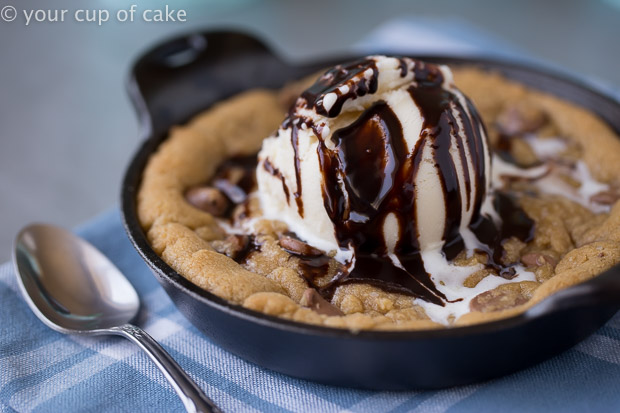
point(171, 61)
point(600, 291)
point(187, 74)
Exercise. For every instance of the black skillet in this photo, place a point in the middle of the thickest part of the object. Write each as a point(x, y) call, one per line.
point(181, 77)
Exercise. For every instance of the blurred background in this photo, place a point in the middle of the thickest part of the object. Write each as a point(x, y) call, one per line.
point(67, 129)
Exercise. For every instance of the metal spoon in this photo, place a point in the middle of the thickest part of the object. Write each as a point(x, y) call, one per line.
point(74, 289)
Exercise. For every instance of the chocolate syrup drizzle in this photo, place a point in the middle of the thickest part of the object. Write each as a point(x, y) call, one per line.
point(352, 75)
point(437, 106)
point(369, 174)
point(272, 170)
point(294, 124)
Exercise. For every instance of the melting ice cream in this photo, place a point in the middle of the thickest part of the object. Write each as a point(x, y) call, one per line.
point(385, 163)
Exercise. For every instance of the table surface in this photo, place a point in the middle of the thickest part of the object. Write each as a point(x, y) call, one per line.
point(67, 128)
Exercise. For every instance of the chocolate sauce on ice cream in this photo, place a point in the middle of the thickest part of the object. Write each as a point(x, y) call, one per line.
point(394, 161)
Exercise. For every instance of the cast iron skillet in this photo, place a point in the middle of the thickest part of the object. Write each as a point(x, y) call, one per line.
point(179, 78)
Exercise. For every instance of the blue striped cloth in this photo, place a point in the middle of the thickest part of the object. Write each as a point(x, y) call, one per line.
point(44, 371)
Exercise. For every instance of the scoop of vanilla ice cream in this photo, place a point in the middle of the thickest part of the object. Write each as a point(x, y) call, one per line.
point(381, 156)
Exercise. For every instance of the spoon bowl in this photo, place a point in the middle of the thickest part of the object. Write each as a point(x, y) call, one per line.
point(71, 286)
point(74, 289)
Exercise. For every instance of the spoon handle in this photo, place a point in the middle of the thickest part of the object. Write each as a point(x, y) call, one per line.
point(191, 395)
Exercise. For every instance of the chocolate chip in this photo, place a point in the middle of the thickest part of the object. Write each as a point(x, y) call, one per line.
point(313, 300)
point(536, 259)
point(297, 247)
point(207, 199)
point(508, 273)
point(519, 119)
point(238, 243)
point(236, 177)
point(232, 191)
point(605, 197)
point(496, 300)
point(236, 246)
point(230, 245)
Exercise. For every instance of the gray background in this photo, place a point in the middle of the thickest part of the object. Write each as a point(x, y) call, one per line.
point(67, 129)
